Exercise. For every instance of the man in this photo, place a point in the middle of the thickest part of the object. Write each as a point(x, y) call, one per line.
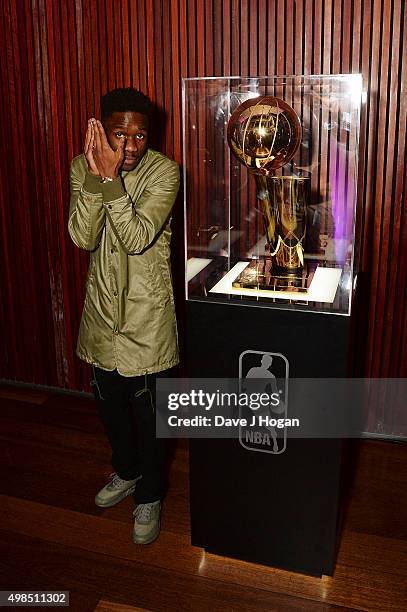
point(122, 193)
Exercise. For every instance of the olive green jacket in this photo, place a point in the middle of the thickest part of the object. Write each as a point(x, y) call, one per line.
point(128, 320)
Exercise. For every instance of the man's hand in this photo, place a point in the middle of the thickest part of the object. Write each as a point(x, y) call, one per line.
point(89, 147)
point(107, 160)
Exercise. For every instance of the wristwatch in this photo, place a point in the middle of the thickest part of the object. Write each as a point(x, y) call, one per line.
point(106, 179)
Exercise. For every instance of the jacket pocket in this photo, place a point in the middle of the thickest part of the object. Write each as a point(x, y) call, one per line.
point(158, 285)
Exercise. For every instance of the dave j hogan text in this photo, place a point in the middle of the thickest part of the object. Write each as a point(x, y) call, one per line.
point(221, 421)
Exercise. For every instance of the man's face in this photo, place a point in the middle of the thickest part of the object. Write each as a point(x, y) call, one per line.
point(134, 128)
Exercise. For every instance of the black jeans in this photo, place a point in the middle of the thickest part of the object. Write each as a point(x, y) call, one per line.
point(126, 406)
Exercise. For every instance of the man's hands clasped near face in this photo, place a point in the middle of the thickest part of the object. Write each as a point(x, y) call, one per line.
point(102, 159)
point(120, 147)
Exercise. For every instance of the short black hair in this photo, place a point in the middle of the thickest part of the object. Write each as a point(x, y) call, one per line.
point(125, 99)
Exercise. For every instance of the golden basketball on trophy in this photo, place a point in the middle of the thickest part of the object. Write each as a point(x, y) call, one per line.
point(264, 134)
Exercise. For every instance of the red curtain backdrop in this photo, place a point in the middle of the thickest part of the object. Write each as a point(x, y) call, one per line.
point(58, 56)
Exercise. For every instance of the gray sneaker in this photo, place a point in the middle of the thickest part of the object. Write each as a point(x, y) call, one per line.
point(146, 522)
point(116, 490)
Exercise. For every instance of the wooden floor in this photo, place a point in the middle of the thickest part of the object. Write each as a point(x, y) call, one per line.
point(54, 457)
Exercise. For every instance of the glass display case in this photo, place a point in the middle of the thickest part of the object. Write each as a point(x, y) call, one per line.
point(270, 189)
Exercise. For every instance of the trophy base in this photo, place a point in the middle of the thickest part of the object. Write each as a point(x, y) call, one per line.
point(260, 275)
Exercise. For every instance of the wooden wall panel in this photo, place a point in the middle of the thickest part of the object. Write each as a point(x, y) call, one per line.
point(59, 56)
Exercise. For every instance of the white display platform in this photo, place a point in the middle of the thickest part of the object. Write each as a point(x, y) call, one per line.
point(195, 265)
point(322, 289)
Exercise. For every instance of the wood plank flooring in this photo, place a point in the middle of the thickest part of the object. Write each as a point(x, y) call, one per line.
point(54, 457)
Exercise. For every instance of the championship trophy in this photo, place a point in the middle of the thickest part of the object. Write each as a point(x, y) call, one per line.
point(264, 134)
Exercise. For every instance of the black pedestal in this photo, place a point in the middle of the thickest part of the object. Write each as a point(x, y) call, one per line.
point(279, 510)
